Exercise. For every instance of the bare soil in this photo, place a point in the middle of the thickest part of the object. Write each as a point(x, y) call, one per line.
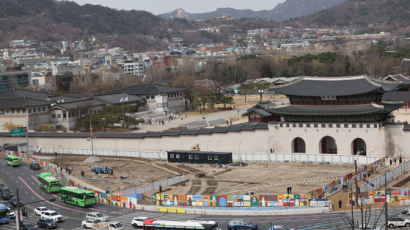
point(260, 178)
point(128, 173)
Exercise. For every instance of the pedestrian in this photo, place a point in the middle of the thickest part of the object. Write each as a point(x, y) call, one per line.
point(290, 190)
point(400, 160)
point(340, 204)
point(391, 161)
point(112, 171)
point(82, 173)
point(395, 160)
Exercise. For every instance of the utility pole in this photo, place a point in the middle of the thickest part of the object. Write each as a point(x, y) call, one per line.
point(91, 136)
point(18, 210)
point(351, 204)
point(386, 216)
point(357, 187)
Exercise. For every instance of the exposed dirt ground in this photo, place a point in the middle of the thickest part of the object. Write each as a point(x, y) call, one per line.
point(260, 178)
point(128, 173)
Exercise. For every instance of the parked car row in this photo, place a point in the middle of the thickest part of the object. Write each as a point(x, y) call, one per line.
point(8, 200)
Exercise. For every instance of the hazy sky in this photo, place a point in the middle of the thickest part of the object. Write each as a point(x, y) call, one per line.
point(192, 6)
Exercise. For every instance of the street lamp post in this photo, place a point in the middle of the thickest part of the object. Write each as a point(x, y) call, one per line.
point(91, 136)
point(260, 94)
point(18, 220)
point(105, 126)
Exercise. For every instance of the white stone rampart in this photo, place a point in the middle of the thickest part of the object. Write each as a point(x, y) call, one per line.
point(312, 133)
point(381, 140)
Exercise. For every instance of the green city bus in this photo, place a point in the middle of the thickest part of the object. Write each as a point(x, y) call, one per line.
point(48, 182)
point(13, 160)
point(77, 196)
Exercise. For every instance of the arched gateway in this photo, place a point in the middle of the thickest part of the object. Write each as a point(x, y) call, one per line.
point(359, 147)
point(298, 145)
point(328, 145)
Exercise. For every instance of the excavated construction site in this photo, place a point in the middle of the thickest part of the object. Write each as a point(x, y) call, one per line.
point(259, 178)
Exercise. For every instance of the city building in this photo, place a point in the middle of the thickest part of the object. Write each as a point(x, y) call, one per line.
point(135, 68)
point(12, 79)
point(159, 98)
point(23, 108)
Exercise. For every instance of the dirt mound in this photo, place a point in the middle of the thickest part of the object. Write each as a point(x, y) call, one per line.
point(92, 160)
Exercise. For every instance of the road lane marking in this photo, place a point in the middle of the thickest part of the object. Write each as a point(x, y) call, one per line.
point(95, 209)
point(54, 195)
point(45, 200)
point(324, 225)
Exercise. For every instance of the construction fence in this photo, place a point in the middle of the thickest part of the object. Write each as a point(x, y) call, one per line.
point(248, 157)
point(390, 175)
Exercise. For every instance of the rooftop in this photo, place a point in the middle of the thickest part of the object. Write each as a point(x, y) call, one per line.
point(396, 96)
point(119, 98)
point(235, 128)
point(88, 103)
point(150, 89)
point(12, 92)
point(333, 110)
point(397, 78)
point(21, 102)
point(333, 86)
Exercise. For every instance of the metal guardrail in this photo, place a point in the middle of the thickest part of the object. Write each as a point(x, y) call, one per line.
point(390, 175)
point(248, 157)
point(303, 157)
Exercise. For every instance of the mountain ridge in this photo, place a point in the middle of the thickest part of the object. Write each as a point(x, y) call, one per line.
point(282, 11)
point(365, 15)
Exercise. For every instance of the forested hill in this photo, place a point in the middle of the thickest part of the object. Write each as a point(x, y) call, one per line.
point(66, 20)
point(367, 15)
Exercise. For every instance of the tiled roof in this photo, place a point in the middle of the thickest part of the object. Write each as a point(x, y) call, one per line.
point(115, 99)
point(330, 86)
point(21, 102)
point(79, 104)
point(397, 96)
point(398, 78)
point(328, 110)
point(150, 89)
point(12, 92)
point(226, 129)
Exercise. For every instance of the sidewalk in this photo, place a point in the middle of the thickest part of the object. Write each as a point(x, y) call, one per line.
point(185, 118)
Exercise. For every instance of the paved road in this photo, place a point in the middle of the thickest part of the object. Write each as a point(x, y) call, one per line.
point(192, 118)
point(25, 180)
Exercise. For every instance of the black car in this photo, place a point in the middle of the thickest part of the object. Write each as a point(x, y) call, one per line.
point(25, 226)
point(46, 223)
point(35, 166)
point(13, 202)
point(6, 194)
